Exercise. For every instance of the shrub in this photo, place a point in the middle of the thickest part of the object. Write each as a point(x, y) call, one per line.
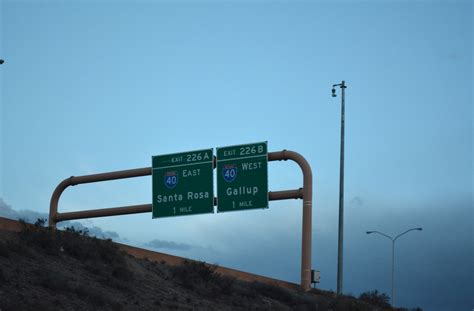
point(101, 257)
point(202, 279)
point(3, 279)
point(191, 272)
point(37, 235)
point(40, 222)
point(4, 251)
point(19, 248)
point(375, 298)
point(122, 273)
point(73, 242)
point(71, 229)
point(18, 302)
point(79, 245)
point(273, 291)
point(94, 268)
point(52, 280)
point(225, 285)
point(90, 294)
point(113, 282)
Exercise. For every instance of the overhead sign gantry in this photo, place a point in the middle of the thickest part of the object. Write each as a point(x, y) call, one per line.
point(173, 170)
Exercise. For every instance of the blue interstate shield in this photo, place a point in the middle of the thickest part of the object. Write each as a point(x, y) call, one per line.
point(171, 179)
point(229, 172)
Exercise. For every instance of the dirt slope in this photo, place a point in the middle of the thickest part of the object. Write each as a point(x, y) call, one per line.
point(45, 270)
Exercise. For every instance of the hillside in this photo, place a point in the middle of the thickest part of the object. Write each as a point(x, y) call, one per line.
point(42, 269)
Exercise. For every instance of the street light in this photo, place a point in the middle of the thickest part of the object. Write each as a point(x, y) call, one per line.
point(343, 87)
point(393, 254)
point(1, 61)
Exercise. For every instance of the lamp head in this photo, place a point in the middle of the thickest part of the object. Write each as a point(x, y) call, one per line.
point(419, 229)
point(369, 232)
point(1, 61)
point(333, 92)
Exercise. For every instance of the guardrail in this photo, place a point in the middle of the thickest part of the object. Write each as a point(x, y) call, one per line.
point(305, 193)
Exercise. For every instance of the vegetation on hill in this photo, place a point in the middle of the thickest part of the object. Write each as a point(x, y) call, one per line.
point(44, 269)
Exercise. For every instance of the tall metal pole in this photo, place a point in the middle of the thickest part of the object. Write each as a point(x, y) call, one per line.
point(340, 253)
point(393, 273)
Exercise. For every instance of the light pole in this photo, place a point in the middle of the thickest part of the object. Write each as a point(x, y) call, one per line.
point(393, 254)
point(343, 87)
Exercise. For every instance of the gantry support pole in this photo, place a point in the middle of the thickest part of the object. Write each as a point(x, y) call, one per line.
point(306, 193)
point(307, 211)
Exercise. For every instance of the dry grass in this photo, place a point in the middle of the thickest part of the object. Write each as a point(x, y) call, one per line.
point(43, 269)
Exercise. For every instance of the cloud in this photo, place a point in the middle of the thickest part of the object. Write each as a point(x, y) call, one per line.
point(31, 216)
point(195, 252)
point(93, 231)
point(27, 215)
point(162, 244)
point(356, 202)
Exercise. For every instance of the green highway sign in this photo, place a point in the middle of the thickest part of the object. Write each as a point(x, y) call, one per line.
point(242, 177)
point(182, 184)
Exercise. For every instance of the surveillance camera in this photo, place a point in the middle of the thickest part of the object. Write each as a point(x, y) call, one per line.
point(333, 92)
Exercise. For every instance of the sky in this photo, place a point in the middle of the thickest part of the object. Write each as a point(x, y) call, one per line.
point(98, 86)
